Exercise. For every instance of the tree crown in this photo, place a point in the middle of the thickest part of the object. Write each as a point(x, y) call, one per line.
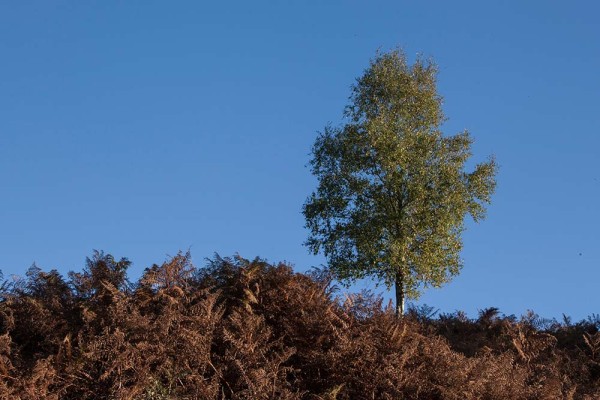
point(393, 192)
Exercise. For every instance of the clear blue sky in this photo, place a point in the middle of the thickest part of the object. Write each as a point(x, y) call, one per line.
point(143, 127)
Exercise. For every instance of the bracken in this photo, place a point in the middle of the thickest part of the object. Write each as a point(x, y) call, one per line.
point(240, 329)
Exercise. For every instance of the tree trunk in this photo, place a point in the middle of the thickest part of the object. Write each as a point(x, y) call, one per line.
point(399, 294)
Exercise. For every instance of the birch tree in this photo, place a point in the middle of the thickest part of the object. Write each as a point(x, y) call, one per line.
point(393, 191)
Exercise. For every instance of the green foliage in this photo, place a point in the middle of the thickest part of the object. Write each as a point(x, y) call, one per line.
point(393, 192)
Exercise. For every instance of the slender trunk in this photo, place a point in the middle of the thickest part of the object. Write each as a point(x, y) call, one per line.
point(399, 294)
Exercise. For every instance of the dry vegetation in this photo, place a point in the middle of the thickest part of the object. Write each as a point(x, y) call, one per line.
point(240, 329)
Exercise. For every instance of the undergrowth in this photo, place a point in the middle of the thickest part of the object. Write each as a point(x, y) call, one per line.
point(240, 329)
